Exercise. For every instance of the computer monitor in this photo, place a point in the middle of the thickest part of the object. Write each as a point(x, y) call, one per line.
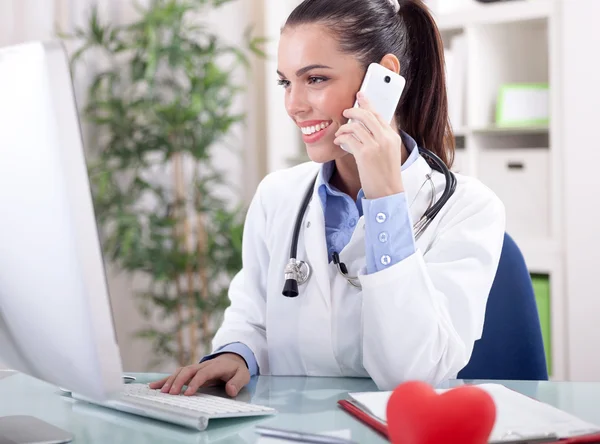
point(55, 317)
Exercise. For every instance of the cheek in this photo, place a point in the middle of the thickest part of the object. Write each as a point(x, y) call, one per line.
point(332, 103)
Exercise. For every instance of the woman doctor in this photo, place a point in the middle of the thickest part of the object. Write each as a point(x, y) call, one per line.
point(418, 305)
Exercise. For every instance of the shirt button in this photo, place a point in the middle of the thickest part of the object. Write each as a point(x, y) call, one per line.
point(352, 222)
point(383, 237)
point(385, 259)
point(381, 217)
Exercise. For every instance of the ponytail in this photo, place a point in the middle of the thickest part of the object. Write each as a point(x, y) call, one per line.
point(370, 29)
point(423, 109)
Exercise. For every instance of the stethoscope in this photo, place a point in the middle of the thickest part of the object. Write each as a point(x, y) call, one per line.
point(297, 272)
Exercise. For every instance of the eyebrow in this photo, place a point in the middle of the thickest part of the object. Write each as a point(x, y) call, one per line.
point(304, 70)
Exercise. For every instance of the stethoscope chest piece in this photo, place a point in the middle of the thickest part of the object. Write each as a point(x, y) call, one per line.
point(296, 273)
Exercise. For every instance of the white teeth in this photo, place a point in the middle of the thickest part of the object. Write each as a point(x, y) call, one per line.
point(308, 130)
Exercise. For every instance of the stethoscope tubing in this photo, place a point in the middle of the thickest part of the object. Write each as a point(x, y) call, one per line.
point(293, 273)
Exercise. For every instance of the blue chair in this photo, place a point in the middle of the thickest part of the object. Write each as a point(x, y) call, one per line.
point(511, 346)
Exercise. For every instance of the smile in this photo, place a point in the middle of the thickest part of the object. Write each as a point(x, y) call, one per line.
point(308, 130)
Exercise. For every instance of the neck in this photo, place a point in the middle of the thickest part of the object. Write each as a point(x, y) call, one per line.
point(345, 176)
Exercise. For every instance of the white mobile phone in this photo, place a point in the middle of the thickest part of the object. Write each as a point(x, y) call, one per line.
point(383, 89)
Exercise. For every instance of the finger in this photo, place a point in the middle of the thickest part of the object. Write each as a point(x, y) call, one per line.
point(365, 103)
point(167, 387)
point(182, 378)
point(368, 118)
point(207, 374)
point(239, 380)
point(359, 130)
point(170, 379)
point(201, 379)
point(158, 384)
point(350, 142)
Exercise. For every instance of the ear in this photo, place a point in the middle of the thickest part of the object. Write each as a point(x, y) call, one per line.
point(391, 62)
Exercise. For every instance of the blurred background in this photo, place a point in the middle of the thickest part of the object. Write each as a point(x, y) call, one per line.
point(182, 118)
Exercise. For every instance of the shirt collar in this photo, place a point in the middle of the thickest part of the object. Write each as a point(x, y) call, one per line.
point(325, 189)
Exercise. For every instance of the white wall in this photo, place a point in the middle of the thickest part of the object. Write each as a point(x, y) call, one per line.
point(581, 114)
point(282, 134)
point(24, 20)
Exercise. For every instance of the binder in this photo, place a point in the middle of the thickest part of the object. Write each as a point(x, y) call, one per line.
point(506, 400)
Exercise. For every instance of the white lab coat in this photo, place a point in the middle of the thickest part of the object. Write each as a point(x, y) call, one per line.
point(417, 319)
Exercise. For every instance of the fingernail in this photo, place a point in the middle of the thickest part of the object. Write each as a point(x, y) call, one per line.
point(234, 388)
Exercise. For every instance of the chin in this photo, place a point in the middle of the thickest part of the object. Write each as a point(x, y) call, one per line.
point(320, 154)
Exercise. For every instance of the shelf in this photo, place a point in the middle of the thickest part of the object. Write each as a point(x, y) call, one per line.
point(495, 13)
point(498, 130)
point(512, 130)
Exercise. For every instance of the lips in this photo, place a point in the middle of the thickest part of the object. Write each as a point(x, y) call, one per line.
point(313, 130)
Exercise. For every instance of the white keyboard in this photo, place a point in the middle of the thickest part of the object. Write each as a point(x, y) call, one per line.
point(189, 411)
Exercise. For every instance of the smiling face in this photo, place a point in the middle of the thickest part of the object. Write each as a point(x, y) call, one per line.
point(320, 82)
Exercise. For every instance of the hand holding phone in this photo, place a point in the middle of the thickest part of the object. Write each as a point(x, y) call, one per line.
point(383, 88)
point(369, 137)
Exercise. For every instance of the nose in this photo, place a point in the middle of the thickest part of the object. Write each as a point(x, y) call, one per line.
point(296, 103)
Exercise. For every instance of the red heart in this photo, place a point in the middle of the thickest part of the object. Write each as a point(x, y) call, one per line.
point(416, 414)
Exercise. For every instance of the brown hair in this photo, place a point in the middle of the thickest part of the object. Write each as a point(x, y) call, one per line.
point(370, 29)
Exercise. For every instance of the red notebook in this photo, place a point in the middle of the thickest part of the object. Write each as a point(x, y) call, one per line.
point(361, 413)
point(370, 420)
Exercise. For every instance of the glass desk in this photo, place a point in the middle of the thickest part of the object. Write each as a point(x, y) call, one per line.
point(308, 404)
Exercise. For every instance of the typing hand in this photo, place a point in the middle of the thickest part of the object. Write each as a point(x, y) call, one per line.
point(227, 368)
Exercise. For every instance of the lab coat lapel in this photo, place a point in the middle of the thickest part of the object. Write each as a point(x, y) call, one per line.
point(316, 247)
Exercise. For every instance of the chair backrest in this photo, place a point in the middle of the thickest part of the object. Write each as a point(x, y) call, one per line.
point(511, 346)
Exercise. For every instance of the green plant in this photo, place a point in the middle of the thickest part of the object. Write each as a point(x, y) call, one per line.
point(164, 100)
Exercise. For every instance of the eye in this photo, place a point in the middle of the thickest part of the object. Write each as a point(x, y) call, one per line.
point(317, 79)
point(284, 83)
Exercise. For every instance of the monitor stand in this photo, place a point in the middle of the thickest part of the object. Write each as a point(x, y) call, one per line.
point(21, 429)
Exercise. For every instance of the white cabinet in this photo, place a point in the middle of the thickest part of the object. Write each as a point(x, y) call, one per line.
point(521, 178)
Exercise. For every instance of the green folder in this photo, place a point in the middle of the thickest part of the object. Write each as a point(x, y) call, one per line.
point(541, 288)
point(502, 120)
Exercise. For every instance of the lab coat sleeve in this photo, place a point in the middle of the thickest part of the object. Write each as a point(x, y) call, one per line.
point(244, 319)
point(422, 316)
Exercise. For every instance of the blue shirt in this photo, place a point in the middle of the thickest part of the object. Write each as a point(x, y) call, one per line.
point(389, 236)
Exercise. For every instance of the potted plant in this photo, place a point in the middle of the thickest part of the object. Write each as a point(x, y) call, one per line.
point(162, 103)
